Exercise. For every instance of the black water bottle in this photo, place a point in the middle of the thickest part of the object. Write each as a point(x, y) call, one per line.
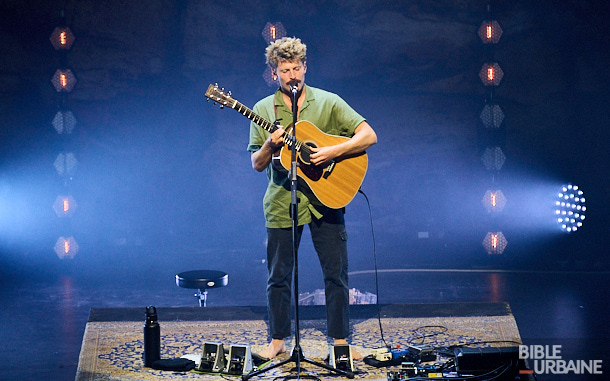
point(152, 337)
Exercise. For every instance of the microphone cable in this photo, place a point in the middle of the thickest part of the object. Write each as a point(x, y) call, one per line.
point(368, 203)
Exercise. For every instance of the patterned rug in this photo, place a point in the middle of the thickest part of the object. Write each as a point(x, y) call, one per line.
point(112, 350)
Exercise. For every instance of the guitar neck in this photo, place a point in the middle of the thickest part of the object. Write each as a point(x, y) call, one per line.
point(267, 125)
point(245, 111)
point(218, 95)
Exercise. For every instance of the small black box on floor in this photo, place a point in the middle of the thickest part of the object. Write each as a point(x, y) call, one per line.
point(502, 361)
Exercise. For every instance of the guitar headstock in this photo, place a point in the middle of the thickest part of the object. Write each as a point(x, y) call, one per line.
point(219, 96)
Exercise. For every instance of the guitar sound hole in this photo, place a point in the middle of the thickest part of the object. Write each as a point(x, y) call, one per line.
point(304, 154)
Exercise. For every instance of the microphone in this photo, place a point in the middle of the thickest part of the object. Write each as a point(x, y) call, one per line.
point(294, 86)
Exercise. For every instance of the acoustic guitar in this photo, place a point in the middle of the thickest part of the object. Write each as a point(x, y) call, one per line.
point(335, 183)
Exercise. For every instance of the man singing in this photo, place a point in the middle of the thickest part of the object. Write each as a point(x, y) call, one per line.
point(331, 114)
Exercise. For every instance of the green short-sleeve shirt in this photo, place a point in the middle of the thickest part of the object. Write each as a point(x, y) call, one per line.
point(325, 110)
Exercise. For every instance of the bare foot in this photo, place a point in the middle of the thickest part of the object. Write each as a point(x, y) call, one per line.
point(355, 354)
point(275, 347)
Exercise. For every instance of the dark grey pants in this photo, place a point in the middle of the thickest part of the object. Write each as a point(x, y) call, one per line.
point(330, 241)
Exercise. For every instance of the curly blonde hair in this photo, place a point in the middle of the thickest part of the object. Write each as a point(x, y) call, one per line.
point(285, 49)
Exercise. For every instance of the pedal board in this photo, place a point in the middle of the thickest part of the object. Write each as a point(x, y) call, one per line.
point(383, 357)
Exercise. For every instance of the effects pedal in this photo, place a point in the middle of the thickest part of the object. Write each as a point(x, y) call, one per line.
point(379, 358)
point(406, 371)
point(240, 360)
point(212, 358)
point(381, 354)
point(423, 353)
point(341, 357)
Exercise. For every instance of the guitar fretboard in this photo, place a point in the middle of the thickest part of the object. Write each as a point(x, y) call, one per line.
point(264, 123)
point(267, 125)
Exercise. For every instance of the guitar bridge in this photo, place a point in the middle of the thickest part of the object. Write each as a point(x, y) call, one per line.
point(329, 169)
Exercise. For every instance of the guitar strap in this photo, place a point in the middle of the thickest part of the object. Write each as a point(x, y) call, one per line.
point(275, 111)
point(275, 159)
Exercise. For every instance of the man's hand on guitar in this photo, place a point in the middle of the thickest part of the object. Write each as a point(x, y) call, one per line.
point(276, 139)
point(264, 156)
point(322, 155)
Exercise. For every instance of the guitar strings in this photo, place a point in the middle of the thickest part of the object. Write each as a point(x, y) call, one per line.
point(267, 125)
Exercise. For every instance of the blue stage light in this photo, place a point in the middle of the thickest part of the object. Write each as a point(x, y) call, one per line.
point(570, 208)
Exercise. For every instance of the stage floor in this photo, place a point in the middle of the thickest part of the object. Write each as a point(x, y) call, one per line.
point(113, 341)
point(44, 318)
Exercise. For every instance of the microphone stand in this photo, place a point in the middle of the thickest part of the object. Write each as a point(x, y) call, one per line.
point(296, 355)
